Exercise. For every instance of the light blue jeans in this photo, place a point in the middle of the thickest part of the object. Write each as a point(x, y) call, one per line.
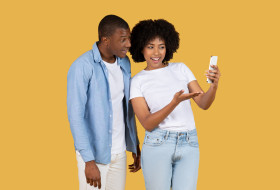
point(170, 159)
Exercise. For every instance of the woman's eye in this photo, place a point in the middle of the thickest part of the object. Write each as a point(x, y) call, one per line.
point(150, 47)
point(162, 47)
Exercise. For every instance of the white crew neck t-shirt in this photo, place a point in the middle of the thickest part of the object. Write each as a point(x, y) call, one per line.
point(116, 84)
point(159, 86)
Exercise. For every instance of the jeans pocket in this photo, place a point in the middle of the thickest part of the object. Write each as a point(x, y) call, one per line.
point(154, 139)
point(192, 140)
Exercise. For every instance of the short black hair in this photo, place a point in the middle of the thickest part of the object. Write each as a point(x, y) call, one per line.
point(147, 30)
point(109, 24)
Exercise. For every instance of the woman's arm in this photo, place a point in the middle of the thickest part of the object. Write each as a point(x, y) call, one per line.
point(205, 100)
point(151, 120)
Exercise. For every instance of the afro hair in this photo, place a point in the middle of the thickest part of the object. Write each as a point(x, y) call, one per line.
point(148, 30)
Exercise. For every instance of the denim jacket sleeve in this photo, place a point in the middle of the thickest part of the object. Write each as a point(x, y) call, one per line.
point(78, 80)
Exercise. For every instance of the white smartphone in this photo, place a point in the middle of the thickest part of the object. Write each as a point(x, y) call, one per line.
point(213, 61)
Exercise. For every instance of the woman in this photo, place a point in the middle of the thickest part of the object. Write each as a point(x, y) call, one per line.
point(160, 97)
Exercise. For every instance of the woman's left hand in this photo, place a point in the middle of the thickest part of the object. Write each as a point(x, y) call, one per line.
point(214, 75)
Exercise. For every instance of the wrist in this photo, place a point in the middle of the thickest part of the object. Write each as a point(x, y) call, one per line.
point(214, 86)
point(173, 103)
point(90, 163)
point(138, 150)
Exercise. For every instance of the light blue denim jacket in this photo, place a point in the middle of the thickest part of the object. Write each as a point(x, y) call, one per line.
point(89, 107)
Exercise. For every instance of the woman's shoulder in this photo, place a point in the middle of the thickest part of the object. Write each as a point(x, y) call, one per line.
point(138, 76)
point(177, 65)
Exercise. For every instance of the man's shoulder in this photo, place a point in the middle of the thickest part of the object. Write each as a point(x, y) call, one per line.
point(85, 60)
point(126, 58)
point(126, 61)
point(85, 57)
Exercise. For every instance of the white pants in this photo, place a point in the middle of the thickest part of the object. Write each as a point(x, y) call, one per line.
point(113, 175)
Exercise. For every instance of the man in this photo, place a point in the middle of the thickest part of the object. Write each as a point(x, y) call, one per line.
point(101, 117)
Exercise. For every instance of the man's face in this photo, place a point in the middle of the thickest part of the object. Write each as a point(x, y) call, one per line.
point(119, 42)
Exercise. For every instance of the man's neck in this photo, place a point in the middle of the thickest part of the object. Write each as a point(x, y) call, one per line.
point(105, 55)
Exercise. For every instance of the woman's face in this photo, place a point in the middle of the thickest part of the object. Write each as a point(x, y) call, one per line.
point(154, 53)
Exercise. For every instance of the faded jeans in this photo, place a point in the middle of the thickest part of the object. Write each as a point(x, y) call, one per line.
point(170, 159)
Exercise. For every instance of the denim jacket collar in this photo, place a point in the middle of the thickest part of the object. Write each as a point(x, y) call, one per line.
point(98, 59)
point(96, 53)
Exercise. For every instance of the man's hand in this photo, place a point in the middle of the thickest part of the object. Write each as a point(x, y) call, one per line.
point(137, 161)
point(93, 174)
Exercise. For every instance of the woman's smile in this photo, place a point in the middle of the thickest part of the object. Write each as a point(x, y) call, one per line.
point(154, 53)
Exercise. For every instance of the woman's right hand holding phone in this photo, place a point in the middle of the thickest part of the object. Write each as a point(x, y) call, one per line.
point(214, 75)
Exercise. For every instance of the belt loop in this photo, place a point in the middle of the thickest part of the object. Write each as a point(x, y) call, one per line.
point(166, 135)
point(187, 136)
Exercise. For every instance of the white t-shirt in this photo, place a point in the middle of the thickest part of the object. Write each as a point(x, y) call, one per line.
point(159, 86)
point(116, 84)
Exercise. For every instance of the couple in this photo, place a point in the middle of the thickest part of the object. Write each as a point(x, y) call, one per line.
point(100, 98)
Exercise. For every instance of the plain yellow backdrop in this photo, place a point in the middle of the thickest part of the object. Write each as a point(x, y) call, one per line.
point(238, 135)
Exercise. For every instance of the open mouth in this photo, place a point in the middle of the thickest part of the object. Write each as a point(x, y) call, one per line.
point(155, 59)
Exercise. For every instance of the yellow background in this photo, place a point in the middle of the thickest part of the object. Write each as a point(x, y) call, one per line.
point(238, 135)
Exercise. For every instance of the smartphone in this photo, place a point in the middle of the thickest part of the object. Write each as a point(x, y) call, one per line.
point(213, 61)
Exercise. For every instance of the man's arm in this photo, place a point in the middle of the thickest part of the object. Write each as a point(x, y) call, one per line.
point(136, 165)
point(78, 80)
